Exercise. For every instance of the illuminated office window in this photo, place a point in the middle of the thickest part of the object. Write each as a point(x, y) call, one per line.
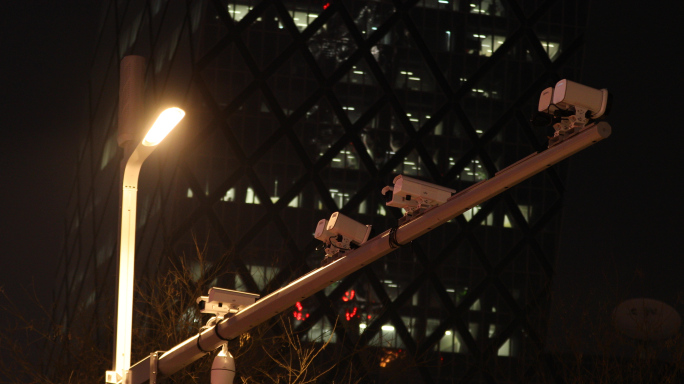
point(488, 43)
point(345, 159)
point(526, 211)
point(552, 48)
point(296, 202)
point(507, 222)
point(238, 11)
point(409, 80)
point(474, 171)
point(449, 342)
point(250, 197)
point(321, 332)
point(446, 5)
point(505, 349)
point(229, 196)
point(486, 7)
point(341, 198)
point(469, 214)
point(262, 274)
point(381, 211)
point(301, 19)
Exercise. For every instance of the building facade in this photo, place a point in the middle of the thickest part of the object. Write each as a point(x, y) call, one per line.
point(297, 109)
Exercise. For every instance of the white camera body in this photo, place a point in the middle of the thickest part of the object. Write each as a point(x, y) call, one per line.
point(415, 195)
point(569, 95)
point(340, 233)
point(570, 106)
point(225, 302)
point(545, 100)
point(321, 233)
point(349, 228)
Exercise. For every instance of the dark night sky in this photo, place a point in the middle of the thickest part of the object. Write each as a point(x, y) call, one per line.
point(623, 218)
point(44, 52)
point(624, 212)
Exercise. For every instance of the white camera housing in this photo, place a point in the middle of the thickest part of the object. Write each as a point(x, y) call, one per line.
point(349, 228)
point(569, 95)
point(321, 233)
point(569, 107)
point(340, 233)
point(413, 194)
point(545, 100)
point(224, 302)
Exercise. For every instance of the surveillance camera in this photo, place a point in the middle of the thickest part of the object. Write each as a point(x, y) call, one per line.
point(395, 200)
point(569, 107)
point(415, 196)
point(321, 233)
point(341, 233)
point(545, 100)
point(225, 302)
point(348, 228)
point(569, 95)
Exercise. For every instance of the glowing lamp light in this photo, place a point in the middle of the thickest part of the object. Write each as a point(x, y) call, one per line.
point(166, 121)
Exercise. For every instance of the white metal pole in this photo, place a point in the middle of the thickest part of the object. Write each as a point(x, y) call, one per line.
point(186, 352)
point(124, 320)
point(131, 119)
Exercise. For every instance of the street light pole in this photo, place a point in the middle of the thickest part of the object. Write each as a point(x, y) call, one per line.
point(166, 121)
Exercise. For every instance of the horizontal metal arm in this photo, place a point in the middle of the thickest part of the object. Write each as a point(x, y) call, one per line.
point(186, 352)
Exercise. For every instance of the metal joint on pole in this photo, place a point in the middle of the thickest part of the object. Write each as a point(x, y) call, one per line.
point(154, 366)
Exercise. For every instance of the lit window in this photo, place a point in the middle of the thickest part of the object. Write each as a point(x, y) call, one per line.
point(346, 157)
point(301, 19)
point(321, 332)
point(505, 349)
point(488, 43)
point(362, 207)
point(250, 197)
point(507, 222)
point(526, 211)
point(341, 198)
point(474, 328)
point(409, 80)
point(295, 202)
point(487, 7)
point(262, 275)
point(474, 171)
point(238, 11)
point(229, 196)
point(551, 48)
point(449, 342)
point(469, 214)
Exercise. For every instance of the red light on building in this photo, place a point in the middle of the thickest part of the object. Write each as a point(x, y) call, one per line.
point(349, 315)
point(349, 295)
point(298, 314)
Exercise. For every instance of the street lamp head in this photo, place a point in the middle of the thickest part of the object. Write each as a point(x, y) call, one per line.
point(166, 121)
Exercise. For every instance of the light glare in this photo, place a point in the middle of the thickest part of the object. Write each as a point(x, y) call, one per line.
point(166, 121)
